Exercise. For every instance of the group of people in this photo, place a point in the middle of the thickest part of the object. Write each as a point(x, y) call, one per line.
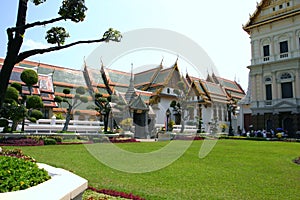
point(267, 134)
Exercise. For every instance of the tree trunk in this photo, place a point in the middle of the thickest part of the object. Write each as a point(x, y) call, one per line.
point(106, 118)
point(14, 125)
point(15, 40)
point(182, 125)
point(68, 118)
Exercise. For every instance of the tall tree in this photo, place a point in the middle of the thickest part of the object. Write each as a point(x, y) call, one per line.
point(73, 10)
point(103, 107)
point(78, 99)
point(30, 78)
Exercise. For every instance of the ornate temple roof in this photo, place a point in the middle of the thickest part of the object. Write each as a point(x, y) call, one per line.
point(144, 84)
point(138, 104)
point(143, 80)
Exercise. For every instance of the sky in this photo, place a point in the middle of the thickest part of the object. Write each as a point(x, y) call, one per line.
point(216, 26)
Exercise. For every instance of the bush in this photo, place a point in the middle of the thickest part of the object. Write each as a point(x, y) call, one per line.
point(12, 93)
point(3, 122)
point(49, 141)
point(36, 114)
point(19, 174)
point(59, 116)
point(34, 102)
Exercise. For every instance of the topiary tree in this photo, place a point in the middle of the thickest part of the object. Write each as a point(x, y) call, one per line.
point(78, 99)
point(34, 102)
point(73, 10)
point(103, 107)
point(17, 105)
point(12, 94)
point(35, 115)
point(30, 78)
point(4, 123)
point(12, 108)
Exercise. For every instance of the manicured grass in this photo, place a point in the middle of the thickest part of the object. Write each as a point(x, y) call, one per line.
point(233, 170)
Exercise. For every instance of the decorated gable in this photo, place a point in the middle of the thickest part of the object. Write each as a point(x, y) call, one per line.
point(271, 10)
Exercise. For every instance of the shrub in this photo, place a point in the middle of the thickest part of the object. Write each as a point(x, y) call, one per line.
point(3, 122)
point(49, 141)
point(37, 114)
point(34, 102)
point(12, 93)
point(171, 124)
point(19, 174)
point(59, 116)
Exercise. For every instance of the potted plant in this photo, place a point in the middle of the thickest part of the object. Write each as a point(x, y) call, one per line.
point(223, 126)
point(171, 124)
point(126, 124)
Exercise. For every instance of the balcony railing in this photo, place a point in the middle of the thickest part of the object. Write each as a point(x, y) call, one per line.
point(268, 103)
point(266, 58)
point(284, 55)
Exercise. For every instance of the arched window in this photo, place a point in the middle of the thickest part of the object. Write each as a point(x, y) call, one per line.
point(268, 80)
point(285, 76)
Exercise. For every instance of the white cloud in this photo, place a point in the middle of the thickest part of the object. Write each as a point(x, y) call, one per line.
point(31, 44)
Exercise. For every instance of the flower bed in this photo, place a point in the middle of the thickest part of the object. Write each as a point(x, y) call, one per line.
point(19, 172)
point(188, 137)
point(55, 140)
point(20, 142)
point(116, 193)
point(122, 140)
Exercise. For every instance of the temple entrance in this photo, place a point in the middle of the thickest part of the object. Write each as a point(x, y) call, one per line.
point(140, 122)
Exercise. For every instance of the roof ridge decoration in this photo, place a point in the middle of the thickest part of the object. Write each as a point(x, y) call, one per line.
point(130, 93)
point(106, 80)
point(204, 95)
point(172, 70)
point(138, 104)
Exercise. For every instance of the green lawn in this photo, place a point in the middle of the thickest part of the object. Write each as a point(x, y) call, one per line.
point(233, 170)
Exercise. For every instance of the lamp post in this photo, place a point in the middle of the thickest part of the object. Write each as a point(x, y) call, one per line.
point(200, 101)
point(168, 115)
point(230, 110)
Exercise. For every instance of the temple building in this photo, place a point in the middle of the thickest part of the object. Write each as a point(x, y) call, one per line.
point(274, 79)
point(147, 94)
